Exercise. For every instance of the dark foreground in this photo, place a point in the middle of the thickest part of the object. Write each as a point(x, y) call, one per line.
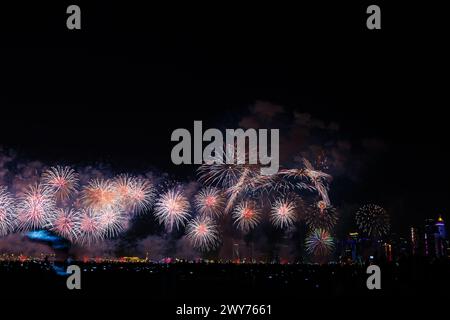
point(201, 282)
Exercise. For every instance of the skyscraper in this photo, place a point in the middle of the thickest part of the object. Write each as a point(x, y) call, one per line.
point(414, 241)
point(440, 238)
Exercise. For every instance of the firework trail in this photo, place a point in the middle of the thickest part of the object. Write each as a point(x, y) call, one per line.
point(283, 213)
point(99, 194)
point(246, 215)
point(35, 208)
point(209, 202)
point(172, 208)
point(63, 181)
point(66, 223)
point(321, 216)
point(7, 212)
point(318, 178)
point(135, 194)
point(319, 242)
point(230, 170)
point(202, 233)
point(237, 189)
point(90, 227)
point(373, 220)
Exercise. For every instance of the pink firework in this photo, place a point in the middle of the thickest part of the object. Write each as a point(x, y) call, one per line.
point(90, 227)
point(142, 195)
point(209, 202)
point(66, 223)
point(7, 212)
point(36, 208)
point(202, 233)
point(172, 208)
point(246, 215)
point(99, 194)
point(283, 213)
point(63, 181)
point(112, 221)
point(135, 194)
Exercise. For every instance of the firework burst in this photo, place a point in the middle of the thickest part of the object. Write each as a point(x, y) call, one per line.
point(202, 233)
point(99, 194)
point(319, 242)
point(7, 212)
point(135, 194)
point(321, 216)
point(246, 216)
point(142, 195)
point(66, 223)
point(90, 227)
point(63, 181)
point(111, 221)
point(222, 170)
point(35, 208)
point(209, 202)
point(283, 213)
point(172, 209)
point(373, 220)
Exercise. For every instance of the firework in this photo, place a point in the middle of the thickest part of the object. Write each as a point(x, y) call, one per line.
point(99, 194)
point(112, 221)
point(135, 194)
point(373, 220)
point(222, 170)
point(142, 195)
point(66, 223)
point(172, 208)
point(318, 179)
point(7, 212)
point(202, 233)
point(283, 213)
point(321, 216)
point(319, 242)
point(35, 208)
point(63, 181)
point(209, 202)
point(246, 216)
point(90, 227)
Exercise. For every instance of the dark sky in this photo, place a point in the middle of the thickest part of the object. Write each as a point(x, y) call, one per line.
point(115, 90)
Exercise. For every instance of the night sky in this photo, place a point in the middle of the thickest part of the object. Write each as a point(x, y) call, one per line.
point(114, 91)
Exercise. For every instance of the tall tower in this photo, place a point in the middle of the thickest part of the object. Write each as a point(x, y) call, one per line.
point(236, 256)
point(414, 241)
point(440, 238)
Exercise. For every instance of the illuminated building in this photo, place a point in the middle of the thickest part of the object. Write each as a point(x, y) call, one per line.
point(414, 241)
point(440, 238)
point(435, 238)
point(351, 247)
point(388, 252)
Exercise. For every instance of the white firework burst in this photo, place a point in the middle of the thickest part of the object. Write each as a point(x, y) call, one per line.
point(7, 212)
point(172, 209)
point(283, 213)
point(63, 181)
point(209, 202)
point(246, 215)
point(66, 223)
point(35, 208)
point(203, 234)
